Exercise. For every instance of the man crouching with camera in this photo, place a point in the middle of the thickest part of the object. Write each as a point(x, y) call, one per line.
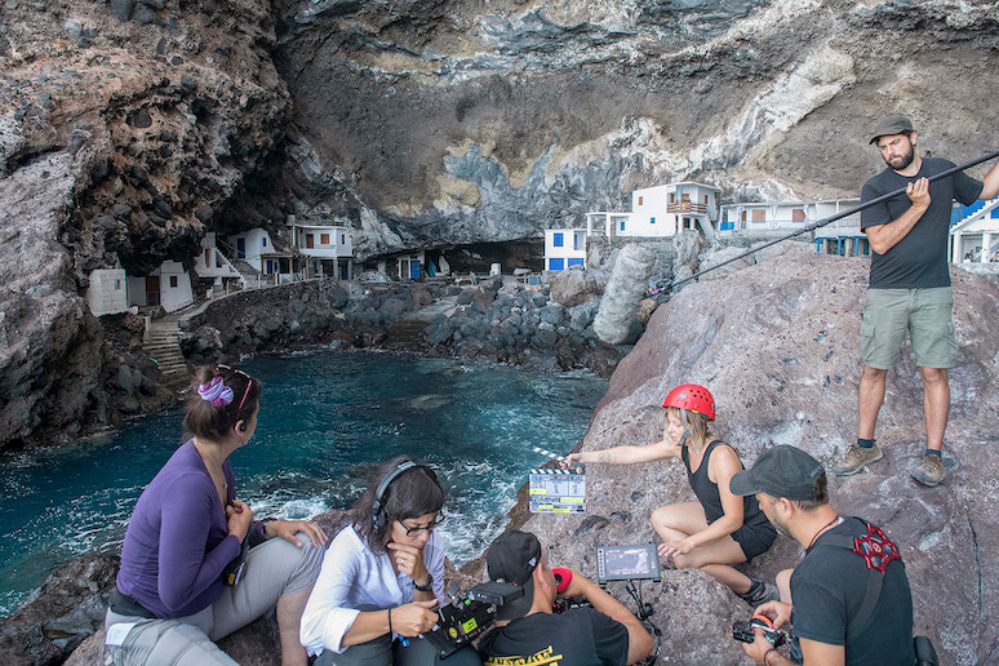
point(528, 632)
point(851, 599)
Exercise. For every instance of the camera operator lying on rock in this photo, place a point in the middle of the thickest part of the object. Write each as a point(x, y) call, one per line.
point(850, 593)
point(528, 632)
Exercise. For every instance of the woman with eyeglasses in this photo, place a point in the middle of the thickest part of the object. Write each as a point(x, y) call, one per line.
point(382, 577)
point(195, 566)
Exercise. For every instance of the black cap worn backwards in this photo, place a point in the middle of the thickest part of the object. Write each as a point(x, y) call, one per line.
point(895, 124)
point(512, 558)
point(780, 471)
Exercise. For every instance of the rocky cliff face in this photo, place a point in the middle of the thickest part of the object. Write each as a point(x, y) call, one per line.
point(459, 120)
point(129, 128)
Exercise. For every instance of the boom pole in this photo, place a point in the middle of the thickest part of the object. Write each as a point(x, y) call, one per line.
point(832, 218)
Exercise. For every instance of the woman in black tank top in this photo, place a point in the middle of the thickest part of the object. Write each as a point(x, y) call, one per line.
point(719, 529)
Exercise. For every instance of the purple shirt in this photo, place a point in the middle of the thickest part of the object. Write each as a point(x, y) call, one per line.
point(178, 544)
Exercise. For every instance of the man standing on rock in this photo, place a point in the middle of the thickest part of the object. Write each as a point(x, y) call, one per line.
point(909, 288)
point(850, 602)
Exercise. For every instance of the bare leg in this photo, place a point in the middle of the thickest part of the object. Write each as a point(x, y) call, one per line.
point(674, 522)
point(871, 397)
point(784, 585)
point(936, 405)
point(289, 618)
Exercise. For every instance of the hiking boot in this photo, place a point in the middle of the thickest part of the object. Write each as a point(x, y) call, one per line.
point(931, 472)
point(765, 593)
point(855, 459)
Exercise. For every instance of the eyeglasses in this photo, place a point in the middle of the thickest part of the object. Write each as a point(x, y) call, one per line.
point(418, 531)
point(249, 383)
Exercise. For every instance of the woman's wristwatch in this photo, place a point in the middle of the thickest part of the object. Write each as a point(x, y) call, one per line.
point(426, 584)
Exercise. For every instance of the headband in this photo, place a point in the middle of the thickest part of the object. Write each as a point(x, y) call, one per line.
point(216, 392)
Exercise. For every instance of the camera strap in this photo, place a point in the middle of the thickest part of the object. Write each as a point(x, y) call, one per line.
point(877, 550)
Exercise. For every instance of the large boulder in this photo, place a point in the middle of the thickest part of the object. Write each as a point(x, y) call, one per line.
point(777, 344)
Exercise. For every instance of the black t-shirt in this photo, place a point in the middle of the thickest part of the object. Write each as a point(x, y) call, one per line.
point(577, 637)
point(919, 260)
point(827, 589)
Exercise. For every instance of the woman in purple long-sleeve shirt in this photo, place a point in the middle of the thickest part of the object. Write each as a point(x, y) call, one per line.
point(194, 565)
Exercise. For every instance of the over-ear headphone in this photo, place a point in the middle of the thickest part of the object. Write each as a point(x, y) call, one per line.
point(378, 515)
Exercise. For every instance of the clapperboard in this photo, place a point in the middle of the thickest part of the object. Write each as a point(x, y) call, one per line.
point(557, 490)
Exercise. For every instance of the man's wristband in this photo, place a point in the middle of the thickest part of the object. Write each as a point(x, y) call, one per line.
point(390, 622)
point(766, 655)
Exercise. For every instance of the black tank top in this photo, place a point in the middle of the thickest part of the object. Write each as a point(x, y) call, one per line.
point(707, 494)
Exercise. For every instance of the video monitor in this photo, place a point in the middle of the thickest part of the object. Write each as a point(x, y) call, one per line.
point(636, 562)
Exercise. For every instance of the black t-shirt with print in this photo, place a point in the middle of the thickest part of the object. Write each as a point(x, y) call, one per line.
point(919, 260)
point(577, 637)
point(828, 588)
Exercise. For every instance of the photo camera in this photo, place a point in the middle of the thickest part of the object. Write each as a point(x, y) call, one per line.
point(466, 617)
point(746, 631)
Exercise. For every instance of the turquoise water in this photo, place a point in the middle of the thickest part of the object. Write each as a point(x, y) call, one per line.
point(325, 419)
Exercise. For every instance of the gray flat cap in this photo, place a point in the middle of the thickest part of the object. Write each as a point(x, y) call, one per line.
point(896, 124)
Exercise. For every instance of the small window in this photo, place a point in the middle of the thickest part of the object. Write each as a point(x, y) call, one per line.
point(263, 242)
point(208, 258)
point(324, 239)
point(705, 199)
point(622, 225)
point(798, 214)
point(672, 197)
point(685, 198)
point(173, 282)
point(343, 239)
point(640, 200)
point(759, 215)
point(117, 285)
point(652, 220)
point(557, 240)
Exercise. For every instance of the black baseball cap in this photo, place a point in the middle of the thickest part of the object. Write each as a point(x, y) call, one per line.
point(894, 124)
point(780, 471)
point(512, 558)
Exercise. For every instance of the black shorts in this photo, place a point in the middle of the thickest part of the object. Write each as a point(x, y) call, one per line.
point(755, 539)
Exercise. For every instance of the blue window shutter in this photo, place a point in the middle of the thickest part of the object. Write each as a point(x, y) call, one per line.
point(556, 264)
point(622, 225)
point(652, 220)
point(575, 262)
point(557, 240)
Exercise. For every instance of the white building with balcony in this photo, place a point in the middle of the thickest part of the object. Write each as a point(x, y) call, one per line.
point(329, 248)
point(211, 263)
point(842, 236)
point(975, 239)
point(656, 212)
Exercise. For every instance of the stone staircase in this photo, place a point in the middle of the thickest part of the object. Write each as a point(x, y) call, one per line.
point(162, 343)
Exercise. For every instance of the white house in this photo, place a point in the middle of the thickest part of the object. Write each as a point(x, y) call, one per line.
point(211, 263)
point(565, 248)
point(108, 291)
point(842, 236)
point(251, 246)
point(976, 237)
point(661, 212)
point(656, 212)
point(168, 286)
point(330, 249)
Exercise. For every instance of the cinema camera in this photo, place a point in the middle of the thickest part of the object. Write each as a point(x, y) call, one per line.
point(468, 615)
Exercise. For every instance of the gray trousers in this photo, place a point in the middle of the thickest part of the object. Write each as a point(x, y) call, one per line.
point(274, 569)
point(382, 652)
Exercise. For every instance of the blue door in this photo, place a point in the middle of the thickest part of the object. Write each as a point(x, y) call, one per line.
point(241, 248)
point(414, 269)
point(556, 264)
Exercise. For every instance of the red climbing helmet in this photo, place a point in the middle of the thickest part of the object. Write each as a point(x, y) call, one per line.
point(693, 398)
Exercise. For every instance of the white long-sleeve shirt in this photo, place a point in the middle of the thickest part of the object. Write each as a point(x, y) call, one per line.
point(354, 578)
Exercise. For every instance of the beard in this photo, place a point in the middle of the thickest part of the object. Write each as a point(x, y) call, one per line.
point(900, 162)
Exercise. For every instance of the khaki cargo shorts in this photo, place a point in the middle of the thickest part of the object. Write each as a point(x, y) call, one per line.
point(928, 316)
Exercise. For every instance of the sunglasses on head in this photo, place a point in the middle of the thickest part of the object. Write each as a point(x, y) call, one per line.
point(249, 382)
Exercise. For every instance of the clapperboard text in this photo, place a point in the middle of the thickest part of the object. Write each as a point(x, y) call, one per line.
point(557, 490)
